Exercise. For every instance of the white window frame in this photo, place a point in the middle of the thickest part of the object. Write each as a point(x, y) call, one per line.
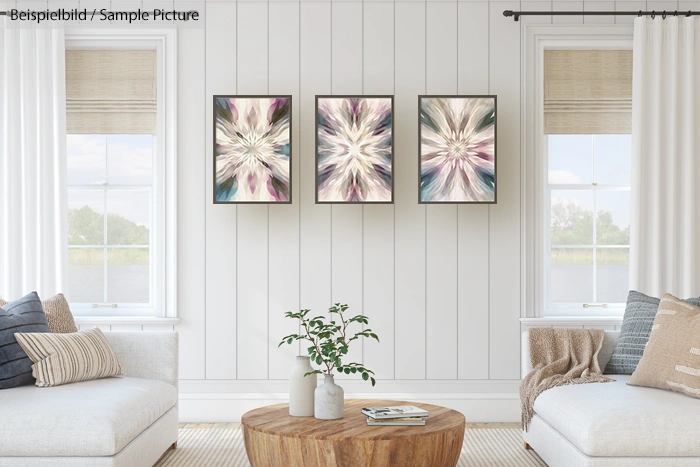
point(163, 247)
point(534, 176)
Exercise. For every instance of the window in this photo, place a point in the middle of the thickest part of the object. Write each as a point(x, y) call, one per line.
point(588, 196)
point(120, 172)
point(110, 219)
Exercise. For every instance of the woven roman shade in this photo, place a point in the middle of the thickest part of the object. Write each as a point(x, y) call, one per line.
point(111, 91)
point(588, 91)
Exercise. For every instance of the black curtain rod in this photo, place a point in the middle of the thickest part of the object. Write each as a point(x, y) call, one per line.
point(517, 14)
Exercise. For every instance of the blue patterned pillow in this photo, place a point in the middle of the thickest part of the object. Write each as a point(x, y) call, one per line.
point(23, 315)
point(634, 335)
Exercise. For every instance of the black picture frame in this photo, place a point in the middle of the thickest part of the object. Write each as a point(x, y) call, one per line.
point(355, 96)
point(495, 145)
point(291, 146)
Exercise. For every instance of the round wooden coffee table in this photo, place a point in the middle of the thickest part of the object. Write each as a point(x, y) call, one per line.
point(273, 438)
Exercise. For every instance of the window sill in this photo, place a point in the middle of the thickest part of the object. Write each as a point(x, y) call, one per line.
point(572, 321)
point(137, 320)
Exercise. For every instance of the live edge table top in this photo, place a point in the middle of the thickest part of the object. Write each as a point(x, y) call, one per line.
point(275, 419)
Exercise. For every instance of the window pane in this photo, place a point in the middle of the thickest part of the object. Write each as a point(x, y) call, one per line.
point(86, 159)
point(570, 159)
point(86, 217)
point(613, 219)
point(128, 275)
point(612, 279)
point(130, 159)
point(613, 159)
point(129, 217)
point(572, 217)
point(571, 275)
point(86, 275)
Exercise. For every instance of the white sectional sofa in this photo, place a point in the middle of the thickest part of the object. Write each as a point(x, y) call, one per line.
point(612, 424)
point(125, 421)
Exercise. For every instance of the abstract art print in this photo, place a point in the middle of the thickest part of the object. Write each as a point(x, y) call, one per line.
point(252, 149)
point(457, 162)
point(354, 149)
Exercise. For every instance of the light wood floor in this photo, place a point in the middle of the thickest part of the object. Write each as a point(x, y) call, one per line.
point(205, 426)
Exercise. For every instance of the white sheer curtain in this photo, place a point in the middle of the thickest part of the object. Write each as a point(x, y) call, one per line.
point(33, 197)
point(665, 228)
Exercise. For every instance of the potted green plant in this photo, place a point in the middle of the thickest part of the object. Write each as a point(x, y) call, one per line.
point(330, 339)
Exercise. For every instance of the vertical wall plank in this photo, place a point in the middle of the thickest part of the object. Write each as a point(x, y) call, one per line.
point(284, 218)
point(441, 221)
point(252, 238)
point(346, 230)
point(410, 217)
point(598, 6)
point(315, 219)
point(378, 222)
point(567, 6)
point(504, 217)
point(473, 220)
point(193, 171)
point(221, 226)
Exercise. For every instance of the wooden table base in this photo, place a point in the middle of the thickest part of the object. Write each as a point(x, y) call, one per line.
point(273, 439)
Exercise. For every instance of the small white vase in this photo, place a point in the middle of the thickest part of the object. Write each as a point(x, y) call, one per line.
point(329, 400)
point(301, 389)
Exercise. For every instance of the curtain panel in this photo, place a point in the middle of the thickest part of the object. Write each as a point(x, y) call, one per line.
point(33, 194)
point(665, 220)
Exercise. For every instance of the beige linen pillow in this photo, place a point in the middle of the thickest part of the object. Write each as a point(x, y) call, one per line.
point(57, 312)
point(68, 358)
point(671, 359)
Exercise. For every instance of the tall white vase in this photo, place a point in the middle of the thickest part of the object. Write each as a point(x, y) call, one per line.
point(329, 400)
point(301, 389)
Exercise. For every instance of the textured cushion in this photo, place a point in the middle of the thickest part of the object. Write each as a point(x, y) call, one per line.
point(23, 315)
point(91, 418)
point(615, 419)
point(58, 314)
point(634, 335)
point(67, 358)
point(671, 359)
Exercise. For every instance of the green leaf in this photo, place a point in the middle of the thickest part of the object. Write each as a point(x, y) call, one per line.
point(290, 340)
point(373, 381)
point(337, 361)
point(319, 360)
point(365, 376)
point(347, 370)
point(354, 370)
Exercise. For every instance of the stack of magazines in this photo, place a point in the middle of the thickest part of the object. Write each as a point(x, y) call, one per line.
point(402, 415)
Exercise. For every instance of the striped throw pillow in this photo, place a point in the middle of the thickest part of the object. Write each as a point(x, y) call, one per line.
point(58, 313)
point(68, 358)
point(23, 315)
point(672, 357)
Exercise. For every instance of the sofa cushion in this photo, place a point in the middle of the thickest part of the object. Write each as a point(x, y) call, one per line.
point(90, 418)
point(615, 420)
point(23, 315)
point(636, 326)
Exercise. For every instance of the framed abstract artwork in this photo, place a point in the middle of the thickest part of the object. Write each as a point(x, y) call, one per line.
point(457, 149)
point(354, 149)
point(252, 149)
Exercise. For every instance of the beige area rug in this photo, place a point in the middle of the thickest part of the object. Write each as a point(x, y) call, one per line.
point(222, 446)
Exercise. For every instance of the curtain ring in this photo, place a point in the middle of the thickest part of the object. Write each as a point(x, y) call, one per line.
point(640, 14)
point(664, 15)
point(689, 14)
point(653, 14)
point(675, 13)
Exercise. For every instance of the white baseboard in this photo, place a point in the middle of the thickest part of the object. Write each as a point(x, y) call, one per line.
point(227, 407)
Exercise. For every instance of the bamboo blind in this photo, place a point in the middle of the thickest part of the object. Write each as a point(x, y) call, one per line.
point(587, 91)
point(111, 91)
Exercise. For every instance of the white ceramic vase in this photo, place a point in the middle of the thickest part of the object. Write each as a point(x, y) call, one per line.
point(329, 400)
point(301, 389)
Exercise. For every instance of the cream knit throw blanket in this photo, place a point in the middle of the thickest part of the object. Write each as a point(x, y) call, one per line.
point(560, 357)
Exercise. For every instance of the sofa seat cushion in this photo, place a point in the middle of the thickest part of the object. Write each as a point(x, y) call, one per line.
point(615, 420)
point(90, 418)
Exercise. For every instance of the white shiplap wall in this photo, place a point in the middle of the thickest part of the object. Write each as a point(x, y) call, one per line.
point(441, 284)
